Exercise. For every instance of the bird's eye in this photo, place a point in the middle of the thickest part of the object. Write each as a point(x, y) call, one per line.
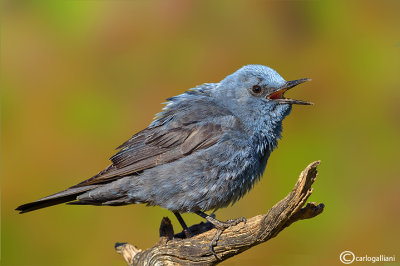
point(256, 89)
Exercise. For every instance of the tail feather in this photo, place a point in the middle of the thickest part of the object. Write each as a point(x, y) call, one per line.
point(58, 198)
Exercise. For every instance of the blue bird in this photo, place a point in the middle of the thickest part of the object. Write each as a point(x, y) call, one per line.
point(204, 151)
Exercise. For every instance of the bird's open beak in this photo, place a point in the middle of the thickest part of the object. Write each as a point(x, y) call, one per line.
point(278, 94)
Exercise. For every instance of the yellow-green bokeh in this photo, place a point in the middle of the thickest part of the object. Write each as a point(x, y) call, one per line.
point(80, 77)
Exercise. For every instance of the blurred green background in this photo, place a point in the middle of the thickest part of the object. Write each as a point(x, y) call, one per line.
point(80, 77)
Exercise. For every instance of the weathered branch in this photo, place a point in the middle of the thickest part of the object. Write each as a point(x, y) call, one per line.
point(177, 250)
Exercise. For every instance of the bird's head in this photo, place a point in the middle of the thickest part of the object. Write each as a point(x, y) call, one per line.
point(257, 87)
point(259, 82)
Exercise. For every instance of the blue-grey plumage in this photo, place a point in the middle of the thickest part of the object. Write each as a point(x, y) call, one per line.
point(204, 151)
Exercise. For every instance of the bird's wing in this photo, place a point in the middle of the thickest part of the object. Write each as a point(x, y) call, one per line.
point(157, 147)
point(175, 135)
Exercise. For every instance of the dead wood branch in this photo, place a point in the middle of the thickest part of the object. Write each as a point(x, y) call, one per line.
point(177, 250)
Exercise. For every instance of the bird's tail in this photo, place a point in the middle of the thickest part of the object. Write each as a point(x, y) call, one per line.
point(67, 195)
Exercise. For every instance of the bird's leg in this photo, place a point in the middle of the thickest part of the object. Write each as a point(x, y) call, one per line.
point(183, 224)
point(220, 226)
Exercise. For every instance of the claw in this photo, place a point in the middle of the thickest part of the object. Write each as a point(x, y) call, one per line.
point(187, 233)
point(221, 227)
point(214, 242)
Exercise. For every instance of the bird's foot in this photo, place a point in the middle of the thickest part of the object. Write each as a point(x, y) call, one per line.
point(224, 225)
point(221, 227)
point(186, 230)
point(187, 233)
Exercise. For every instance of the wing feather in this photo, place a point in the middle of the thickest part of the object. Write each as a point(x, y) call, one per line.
point(174, 135)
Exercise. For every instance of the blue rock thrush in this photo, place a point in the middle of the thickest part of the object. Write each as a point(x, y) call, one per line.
point(204, 151)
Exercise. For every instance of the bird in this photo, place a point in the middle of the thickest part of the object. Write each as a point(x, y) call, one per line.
point(204, 151)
